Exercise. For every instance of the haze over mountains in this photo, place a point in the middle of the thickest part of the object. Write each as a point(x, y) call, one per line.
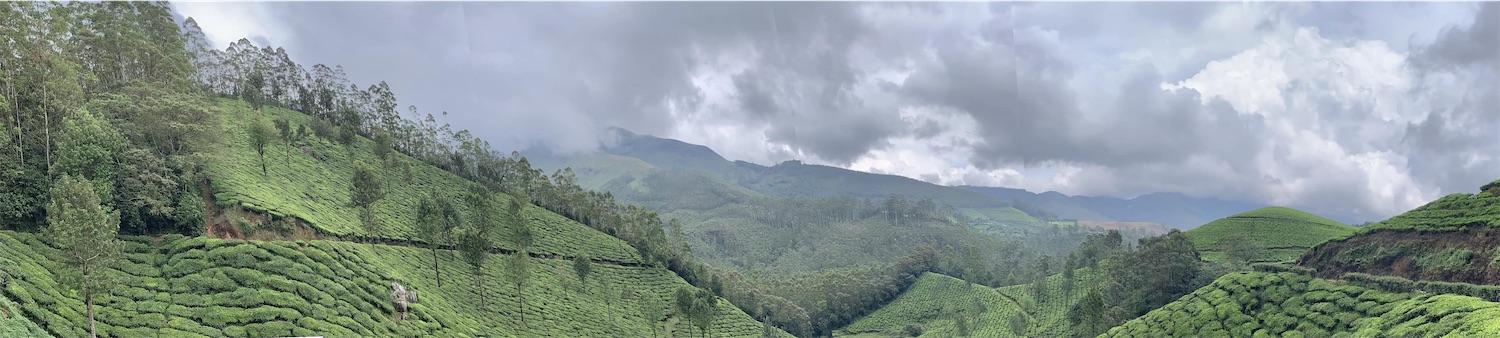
point(633, 153)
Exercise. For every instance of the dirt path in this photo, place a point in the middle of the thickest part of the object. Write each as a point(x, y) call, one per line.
point(1029, 316)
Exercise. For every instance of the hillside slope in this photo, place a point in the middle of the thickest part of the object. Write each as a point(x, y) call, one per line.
point(633, 152)
point(13, 322)
point(1284, 233)
point(1258, 304)
point(311, 182)
point(1454, 238)
point(191, 287)
point(1173, 210)
point(931, 301)
point(728, 225)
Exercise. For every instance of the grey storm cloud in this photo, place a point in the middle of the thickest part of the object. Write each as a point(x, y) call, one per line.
point(1442, 146)
point(1043, 84)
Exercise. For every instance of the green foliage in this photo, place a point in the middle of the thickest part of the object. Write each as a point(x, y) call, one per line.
point(1018, 324)
point(1288, 304)
point(474, 244)
point(582, 266)
point(84, 231)
point(1277, 268)
point(1272, 230)
point(221, 288)
point(1449, 259)
point(924, 304)
point(261, 135)
point(317, 191)
point(1454, 212)
point(87, 148)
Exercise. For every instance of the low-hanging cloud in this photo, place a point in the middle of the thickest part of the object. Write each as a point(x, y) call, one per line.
point(1363, 109)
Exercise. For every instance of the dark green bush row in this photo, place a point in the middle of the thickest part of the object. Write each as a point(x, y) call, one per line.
point(1383, 283)
point(1486, 292)
point(1279, 268)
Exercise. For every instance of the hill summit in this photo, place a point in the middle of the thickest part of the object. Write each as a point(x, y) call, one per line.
point(1272, 233)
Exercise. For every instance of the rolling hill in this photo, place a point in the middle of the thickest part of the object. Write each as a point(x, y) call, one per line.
point(1170, 209)
point(198, 286)
point(1455, 238)
point(787, 179)
point(1282, 233)
point(1258, 304)
point(931, 303)
point(775, 231)
point(194, 287)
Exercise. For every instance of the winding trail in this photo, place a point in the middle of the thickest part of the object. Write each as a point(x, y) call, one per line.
point(1029, 316)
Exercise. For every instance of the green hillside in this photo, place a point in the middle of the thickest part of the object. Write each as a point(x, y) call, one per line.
point(794, 178)
point(1454, 212)
point(193, 286)
point(1282, 234)
point(1455, 238)
point(299, 184)
point(932, 301)
point(13, 322)
point(635, 155)
point(1258, 304)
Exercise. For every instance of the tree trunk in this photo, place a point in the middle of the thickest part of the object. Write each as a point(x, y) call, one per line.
point(208, 206)
point(88, 298)
point(47, 130)
point(435, 273)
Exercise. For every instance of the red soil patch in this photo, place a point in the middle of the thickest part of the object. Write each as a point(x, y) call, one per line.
point(1398, 252)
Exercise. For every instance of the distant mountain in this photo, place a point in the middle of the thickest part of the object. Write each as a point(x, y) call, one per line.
point(1170, 209)
point(625, 152)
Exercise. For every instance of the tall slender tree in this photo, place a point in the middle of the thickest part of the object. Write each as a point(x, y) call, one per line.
point(84, 231)
point(260, 137)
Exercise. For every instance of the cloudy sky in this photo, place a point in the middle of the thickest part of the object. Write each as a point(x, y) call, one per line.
point(1351, 108)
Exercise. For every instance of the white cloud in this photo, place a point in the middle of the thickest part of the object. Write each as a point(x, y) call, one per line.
point(226, 22)
point(1309, 89)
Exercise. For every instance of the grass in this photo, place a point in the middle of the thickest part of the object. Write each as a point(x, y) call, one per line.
point(1284, 232)
point(1255, 304)
point(192, 287)
point(925, 303)
point(317, 191)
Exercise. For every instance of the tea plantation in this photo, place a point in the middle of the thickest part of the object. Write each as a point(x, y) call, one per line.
point(933, 301)
point(199, 287)
point(1256, 304)
point(1454, 212)
point(15, 324)
point(299, 184)
point(1283, 234)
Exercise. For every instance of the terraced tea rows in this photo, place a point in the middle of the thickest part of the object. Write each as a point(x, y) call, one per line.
point(930, 301)
point(1282, 233)
point(298, 184)
point(13, 323)
point(189, 287)
point(1454, 212)
point(1255, 304)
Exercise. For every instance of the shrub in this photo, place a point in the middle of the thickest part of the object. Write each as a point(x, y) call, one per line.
point(913, 330)
point(1383, 283)
point(1280, 268)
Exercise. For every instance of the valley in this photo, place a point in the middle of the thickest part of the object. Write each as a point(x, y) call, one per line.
point(159, 179)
